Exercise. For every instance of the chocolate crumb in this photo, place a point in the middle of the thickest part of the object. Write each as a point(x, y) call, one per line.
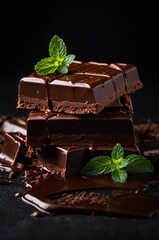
point(36, 214)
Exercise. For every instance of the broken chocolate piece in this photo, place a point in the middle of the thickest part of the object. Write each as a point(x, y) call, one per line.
point(14, 148)
point(14, 124)
point(61, 160)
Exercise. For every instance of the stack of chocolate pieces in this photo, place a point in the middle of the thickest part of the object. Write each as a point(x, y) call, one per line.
point(74, 117)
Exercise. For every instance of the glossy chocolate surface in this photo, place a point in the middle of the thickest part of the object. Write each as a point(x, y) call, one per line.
point(89, 87)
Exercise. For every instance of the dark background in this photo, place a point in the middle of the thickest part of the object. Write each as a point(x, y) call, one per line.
point(106, 31)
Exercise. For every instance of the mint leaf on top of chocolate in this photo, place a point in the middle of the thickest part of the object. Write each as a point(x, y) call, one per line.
point(118, 165)
point(58, 61)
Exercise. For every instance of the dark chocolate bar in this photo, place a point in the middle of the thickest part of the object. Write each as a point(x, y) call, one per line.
point(58, 129)
point(88, 88)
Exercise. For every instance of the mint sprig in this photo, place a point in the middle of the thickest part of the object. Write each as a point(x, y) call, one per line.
point(118, 165)
point(58, 61)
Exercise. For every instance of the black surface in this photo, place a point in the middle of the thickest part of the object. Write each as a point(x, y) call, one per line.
point(101, 31)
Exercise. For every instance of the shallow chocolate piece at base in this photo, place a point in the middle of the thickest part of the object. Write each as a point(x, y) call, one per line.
point(14, 124)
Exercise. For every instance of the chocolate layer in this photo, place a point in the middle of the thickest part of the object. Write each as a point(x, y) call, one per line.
point(115, 125)
point(89, 87)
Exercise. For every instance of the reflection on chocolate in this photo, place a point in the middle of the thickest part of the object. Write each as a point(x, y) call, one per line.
point(89, 87)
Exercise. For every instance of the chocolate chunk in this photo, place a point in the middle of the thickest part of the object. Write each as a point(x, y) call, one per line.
point(14, 124)
point(88, 88)
point(61, 160)
point(14, 148)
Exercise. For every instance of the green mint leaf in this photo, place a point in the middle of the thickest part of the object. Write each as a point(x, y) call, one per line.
point(138, 164)
point(45, 66)
point(69, 59)
point(58, 61)
point(97, 166)
point(123, 163)
point(57, 48)
point(117, 165)
point(62, 69)
point(119, 175)
point(117, 152)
